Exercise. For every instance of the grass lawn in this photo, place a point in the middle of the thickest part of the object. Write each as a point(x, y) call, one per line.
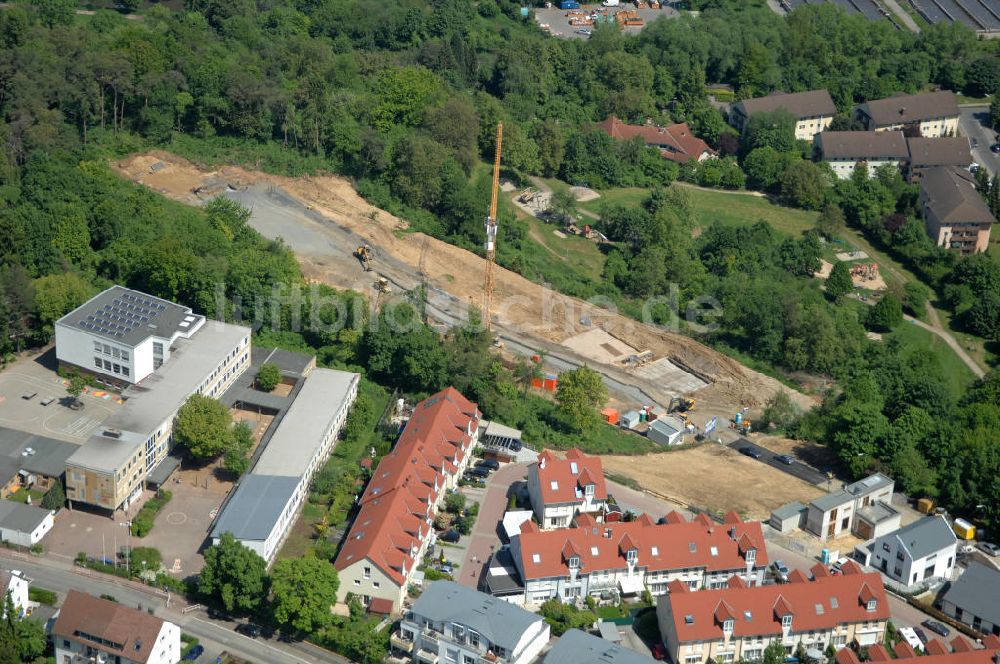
point(21, 496)
point(975, 346)
point(577, 254)
point(916, 339)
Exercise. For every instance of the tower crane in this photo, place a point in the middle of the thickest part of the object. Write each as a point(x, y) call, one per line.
point(491, 234)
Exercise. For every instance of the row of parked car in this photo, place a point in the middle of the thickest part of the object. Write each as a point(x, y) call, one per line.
point(481, 470)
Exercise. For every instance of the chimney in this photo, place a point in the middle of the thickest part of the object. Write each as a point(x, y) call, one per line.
point(902, 110)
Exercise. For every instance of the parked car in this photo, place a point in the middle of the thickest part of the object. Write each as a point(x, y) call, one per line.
point(780, 571)
point(583, 31)
point(995, 147)
point(751, 452)
point(838, 567)
point(477, 473)
point(446, 567)
point(451, 536)
point(975, 142)
point(194, 653)
point(28, 396)
point(248, 629)
point(989, 548)
point(489, 464)
point(786, 459)
point(921, 634)
point(218, 614)
point(659, 651)
point(47, 400)
point(936, 627)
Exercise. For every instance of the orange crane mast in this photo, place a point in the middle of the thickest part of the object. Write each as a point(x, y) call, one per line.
point(491, 235)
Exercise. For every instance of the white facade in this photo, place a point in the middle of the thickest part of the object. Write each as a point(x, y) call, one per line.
point(922, 551)
point(844, 168)
point(166, 651)
point(14, 532)
point(17, 588)
point(830, 515)
point(930, 128)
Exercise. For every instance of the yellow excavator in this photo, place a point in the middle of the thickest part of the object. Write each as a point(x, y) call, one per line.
point(681, 405)
point(364, 254)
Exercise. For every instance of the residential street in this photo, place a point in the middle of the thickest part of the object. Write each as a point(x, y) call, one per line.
point(974, 123)
point(215, 637)
point(484, 537)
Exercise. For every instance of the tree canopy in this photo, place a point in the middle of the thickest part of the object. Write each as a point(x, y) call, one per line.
point(234, 576)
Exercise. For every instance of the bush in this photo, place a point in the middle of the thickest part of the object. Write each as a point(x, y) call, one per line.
point(142, 523)
point(454, 502)
point(42, 596)
point(145, 557)
point(55, 497)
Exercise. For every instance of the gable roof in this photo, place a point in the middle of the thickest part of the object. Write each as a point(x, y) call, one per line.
point(925, 536)
point(676, 141)
point(814, 605)
point(577, 647)
point(944, 151)
point(976, 592)
point(502, 623)
point(684, 545)
point(398, 502)
point(800, 104)
point(937, 653)
point(862, 144)
point(953, 197)
point(20, 517)
point(564, 480)
point(123, 631)
point(904, 109)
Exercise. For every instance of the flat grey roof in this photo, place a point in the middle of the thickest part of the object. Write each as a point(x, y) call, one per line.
point(870, 484)
point(794, 508)
point(501, 431)
point(663, 425)
point(976, 592)
point(130, 317)
point(500, 622)
point(576, 647)
point(288, 361)
point(255, 506)
point(49, 456)
point(925, 536)
point(20, 517)
point(831, 500)
point(877, 512)
point(152, 402)
point(609, 632)
point(295, 441)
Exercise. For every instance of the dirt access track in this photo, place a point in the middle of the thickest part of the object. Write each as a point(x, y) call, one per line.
point(323, 219)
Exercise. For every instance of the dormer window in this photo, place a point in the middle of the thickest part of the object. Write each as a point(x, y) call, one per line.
point(632, 555)
point(786, 621)
point(751, 555)
point(589, 490)
point(727, 626)
point(871, 605)
point(574, 562)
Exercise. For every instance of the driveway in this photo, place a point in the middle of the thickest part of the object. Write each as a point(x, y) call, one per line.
point(484, 538)
point(974, 121)
point(797, 469)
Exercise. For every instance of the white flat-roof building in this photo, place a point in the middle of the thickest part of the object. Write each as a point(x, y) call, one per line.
point(262, 508)
point(205, 357)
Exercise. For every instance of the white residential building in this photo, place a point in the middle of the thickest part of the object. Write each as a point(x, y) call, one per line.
point(24, 525)
point(99, 631)
point(928, 114)
point(453, 624)
point(562, 488)
point(840, 511)
point(15, 584)
point(921, 551)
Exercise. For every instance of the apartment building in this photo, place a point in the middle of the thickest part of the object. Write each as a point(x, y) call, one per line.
point(844, 150)
point(921, 551)
point(863, 507)
point(738, 623)
point(935, 652)
point(110, 468)
point(562, 488)
point(99, 631)
point(453, 624)
point(264, 504)
point(955, 215)
point(928, 114)
point(931, 152)
point(393, 527)
point(813, 111)
point(628, 558)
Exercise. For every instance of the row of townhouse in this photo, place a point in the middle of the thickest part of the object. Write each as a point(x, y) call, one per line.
point(629, 558)
point(934, 652)
point(739, 622)
point(393, 527)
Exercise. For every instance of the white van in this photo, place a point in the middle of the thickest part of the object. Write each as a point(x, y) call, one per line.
point(610, 3)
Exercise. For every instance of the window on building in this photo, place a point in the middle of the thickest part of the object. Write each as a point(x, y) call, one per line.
point(786, 621)
point(97, 346)
point(125, 371)
point(468, 659)
point(727, 626)
point(574, 562)
point(451, 654)
point(124, 356)
point(632, 555)
point(97, 362)
point(473, 639)
point(357, 582)
point(871, 605)
point(107, 349)
point(368, 572)
point(107, 365)
point(376, 584)
point(115, 353)
point(117, 368)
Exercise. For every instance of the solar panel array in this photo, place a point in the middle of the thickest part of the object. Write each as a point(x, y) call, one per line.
point(122, 315)
point(981, 15)
point(869, 8)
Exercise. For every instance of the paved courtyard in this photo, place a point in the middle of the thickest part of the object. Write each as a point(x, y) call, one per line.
point(36, 374)
point(484, 538)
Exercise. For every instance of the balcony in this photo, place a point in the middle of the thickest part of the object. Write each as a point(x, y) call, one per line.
point(429, 639)
point(427, 657)
point(398, 642)
point(394, 659)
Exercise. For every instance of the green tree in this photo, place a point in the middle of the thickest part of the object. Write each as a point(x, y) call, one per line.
point(77, 384)
point(454, 502)
point(55, 497)
point(204, 427)
point(886, 314)
point(774, 654)
point(775, 129)
point(579, 393)
point(57, 295)
point(839, 282)
point(915, 296)
point(234, 576)
point(21, 639)
point(563, 205)
point(995, 112)
point(830, 222)
point(780, 411)
point(146, 558)
point(804, 185)
point(564, 617)
point(304, 591)
point(268, 377)
point(764, 167)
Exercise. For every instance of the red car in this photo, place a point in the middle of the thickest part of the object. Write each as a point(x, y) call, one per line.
point(659, 652)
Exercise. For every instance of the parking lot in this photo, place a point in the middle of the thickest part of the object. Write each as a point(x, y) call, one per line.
point(796, 469)
point(36, 375)
point(558, 23)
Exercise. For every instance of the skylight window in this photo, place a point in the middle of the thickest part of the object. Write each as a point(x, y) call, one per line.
point(574, 468)
point(834, 603)
point(535, 558)
point(692, 547)
point(593, 551)
point(747, 615)
point(554, 485)
point(689, 619)
point(714, 550)
point(656, 551)
point(819, 610)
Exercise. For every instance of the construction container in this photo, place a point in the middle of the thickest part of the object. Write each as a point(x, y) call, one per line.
point(964, 530)
point(536, 383)
point(925, 505)
point(610, 415)
point(550, 382)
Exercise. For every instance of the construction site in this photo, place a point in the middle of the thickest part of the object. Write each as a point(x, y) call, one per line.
point(328, 225)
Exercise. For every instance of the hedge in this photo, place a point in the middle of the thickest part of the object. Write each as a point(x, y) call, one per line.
point(142, 523)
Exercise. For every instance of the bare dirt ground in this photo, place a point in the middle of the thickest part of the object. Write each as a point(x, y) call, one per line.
point(815, 455)
point(713, 477)
point(322, 218)
point(876, 283)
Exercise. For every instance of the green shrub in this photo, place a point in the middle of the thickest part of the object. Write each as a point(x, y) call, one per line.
point(142, 523)
point(42, 596)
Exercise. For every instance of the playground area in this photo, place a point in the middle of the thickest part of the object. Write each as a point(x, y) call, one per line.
point(863, 275)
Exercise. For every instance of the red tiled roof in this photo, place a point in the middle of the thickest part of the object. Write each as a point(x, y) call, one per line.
point(135, 631)
point(958, 644)
point(678, 546)
point(676, 142)
point(797, 576)
point(935, 647)
point(816, 605)
point(878, 653)
point(736, 581)
point(904, 650)
point(732, 516)
point(674, 517)
point(937, 653)
point(397, 505)
point(678, 586)
point(558, 482)
point(380, 605)
point(847, 656)
point(819, 571)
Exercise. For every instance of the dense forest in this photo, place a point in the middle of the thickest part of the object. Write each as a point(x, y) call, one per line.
point(404, 97)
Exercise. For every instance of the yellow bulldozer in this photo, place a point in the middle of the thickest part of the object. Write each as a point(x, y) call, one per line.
point(364, 254)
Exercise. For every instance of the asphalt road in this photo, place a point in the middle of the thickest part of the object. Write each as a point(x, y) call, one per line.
point(797, 469)
point(216, 637)
point(974, 123)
